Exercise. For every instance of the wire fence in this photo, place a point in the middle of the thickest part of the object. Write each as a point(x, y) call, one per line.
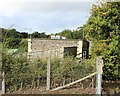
point(69, 69)
point(22, 72)
point(57, 52)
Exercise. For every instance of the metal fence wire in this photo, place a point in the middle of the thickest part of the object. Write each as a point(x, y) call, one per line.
point(23, 72)
point(70, 69)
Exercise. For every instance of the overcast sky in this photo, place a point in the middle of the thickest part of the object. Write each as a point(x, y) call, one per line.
point(44, 16)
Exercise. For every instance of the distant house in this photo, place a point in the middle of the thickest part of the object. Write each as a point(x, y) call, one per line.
point(58, 48)
point(57, 37)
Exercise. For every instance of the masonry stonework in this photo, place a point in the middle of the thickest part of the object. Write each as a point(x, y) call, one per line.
point(54, 48)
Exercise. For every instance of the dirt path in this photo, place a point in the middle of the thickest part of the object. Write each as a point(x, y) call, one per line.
point(62, 91)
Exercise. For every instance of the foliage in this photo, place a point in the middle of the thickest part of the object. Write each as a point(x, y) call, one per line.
point(39, 35)
point(23, 45)
point(21, 73)
point(10, 33)
point(71, 68)
point(66, 33)
point(69, 34)
point(15, 69)
point(103, 29)
point(11, 43)
point(12, 39)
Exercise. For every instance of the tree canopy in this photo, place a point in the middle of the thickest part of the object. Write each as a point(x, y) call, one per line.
point(72, 34)
point(13, 39)
point(103, 29)
point(39, 35)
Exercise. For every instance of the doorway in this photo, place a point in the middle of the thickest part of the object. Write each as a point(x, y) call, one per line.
point(70, 51)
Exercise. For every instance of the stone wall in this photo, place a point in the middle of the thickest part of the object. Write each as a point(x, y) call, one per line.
point(52, 48)
point(42, 45)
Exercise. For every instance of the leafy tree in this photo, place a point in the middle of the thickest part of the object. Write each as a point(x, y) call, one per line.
point(11, 43)
point(10, 33)
point(24, 35)
point(69, 34)
point(78, 33)
point(66, 33)
point(103, 29)
point(12, 39)
point(39, 35)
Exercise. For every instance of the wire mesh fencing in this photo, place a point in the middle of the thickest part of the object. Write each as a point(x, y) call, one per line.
point(69, 69)
point(22, 72)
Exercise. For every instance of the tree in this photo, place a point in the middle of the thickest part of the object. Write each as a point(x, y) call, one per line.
point(39, 35)
point(78, 33)
point(24, 35)
point(66, 33)
point(103, 29)
point(69, 34)
point(12, 39)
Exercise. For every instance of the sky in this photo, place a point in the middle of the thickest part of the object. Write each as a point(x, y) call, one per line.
point(50, 16)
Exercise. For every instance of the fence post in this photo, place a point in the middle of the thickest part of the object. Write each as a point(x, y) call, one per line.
point(99, 66)
point(3, 83)
point(48, 72)
point(92, 83)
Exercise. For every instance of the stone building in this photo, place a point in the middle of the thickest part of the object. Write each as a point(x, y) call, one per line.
point(43, 48)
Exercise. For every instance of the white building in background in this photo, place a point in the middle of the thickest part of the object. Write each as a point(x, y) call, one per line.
point(57, 37)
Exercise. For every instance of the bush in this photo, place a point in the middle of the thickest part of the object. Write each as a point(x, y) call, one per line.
point(21, 73)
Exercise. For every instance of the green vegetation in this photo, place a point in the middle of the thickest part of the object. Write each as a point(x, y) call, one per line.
point(13, 39)
point(70, 69)
point(75, 34)
point(39, 35)
point(21, 73)
point(103, 29)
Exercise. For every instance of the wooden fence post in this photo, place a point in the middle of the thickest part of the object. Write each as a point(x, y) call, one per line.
point(48, 72)
point(92, 83)
point(99, 66)
point(3, 83)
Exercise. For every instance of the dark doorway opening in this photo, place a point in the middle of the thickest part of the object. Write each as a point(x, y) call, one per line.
point(70, 51)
